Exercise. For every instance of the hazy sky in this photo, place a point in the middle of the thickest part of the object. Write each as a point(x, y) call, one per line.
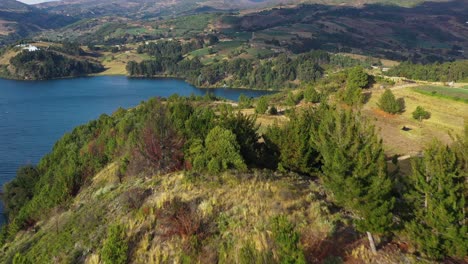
point(35, 1)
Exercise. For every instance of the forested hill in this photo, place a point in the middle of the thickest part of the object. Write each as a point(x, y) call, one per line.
point(153, 9)
point(195, 181)
point(45, 64)
point(18, 21)
point(439, 72)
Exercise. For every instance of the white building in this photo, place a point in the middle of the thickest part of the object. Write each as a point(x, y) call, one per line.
point(29, 47)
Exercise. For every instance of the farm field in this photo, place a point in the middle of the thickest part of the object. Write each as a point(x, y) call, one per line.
point(454, 93)
point(447, 120)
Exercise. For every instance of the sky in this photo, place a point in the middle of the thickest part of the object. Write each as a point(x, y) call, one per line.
point(34, 1)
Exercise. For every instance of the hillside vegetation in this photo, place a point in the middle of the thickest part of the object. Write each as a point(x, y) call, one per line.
point(49, 63)
point(193, 180)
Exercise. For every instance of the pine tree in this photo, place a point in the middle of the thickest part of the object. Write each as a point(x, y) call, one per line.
point(354, 169)
point(357, 78)
point(389, 103)
point(311, 95)
point(293, 141)
point(219, 153)
point(262, 106)
point(438, 200)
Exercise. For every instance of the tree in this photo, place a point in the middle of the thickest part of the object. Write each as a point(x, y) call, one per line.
point(389, 104)
point(245, 129)
point(438, 201)
point(352, 95)
point(262, 105)
point(420, 113)
point(114, 250)
point(354, 169)
point(294, 143)
point(244, 101)
point(357, 78)
point(311, 95)
point(160, 144)
point(219, 152)
point(309, 71)
point(20, 190)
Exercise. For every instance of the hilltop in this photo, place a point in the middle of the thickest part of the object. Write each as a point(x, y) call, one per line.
point(18, 20)
point(200, 180)
point(152, 9)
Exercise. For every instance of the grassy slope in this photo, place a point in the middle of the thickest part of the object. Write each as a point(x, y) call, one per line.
point(238, 208)
point(230, 199)
point(447, 119)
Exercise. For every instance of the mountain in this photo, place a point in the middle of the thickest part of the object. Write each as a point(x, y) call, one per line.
point(18, 20)
point(151, 8)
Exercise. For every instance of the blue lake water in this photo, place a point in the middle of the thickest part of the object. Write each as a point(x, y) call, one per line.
point(34, 115)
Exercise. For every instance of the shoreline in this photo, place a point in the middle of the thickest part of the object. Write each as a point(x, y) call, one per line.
point(156, 77)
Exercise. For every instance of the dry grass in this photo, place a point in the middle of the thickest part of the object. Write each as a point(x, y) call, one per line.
point(385, 62)
point(447, 119)
point(234, 208)
point(115, 64)
point(5, 59)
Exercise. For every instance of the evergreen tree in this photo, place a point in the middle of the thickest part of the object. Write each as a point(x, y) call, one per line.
point(389, 103)
point(354, 169)
point(420, 113)
point(294, 143)
point(357, 78)
point(438, 201)
point(219, 153)
point(352, 95)
point(311, 95)
point(245, 129)
point(262, 105)
point(244, 101)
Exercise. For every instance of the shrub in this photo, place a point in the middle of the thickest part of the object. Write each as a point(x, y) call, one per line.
point(219, 153)
point(262, 106)
point(389, 103)
point(273, 110)
point(20, 259)
point(114, 250)
point(244, 101)
point(294, 99)
point(160, 144)
point(420, 113)
point(287, 241)
point(180, 218)
point(357, 78)
point(351, 95)
point(311, 95)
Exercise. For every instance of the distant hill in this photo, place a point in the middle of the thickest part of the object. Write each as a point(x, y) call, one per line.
point(14, 6)
point(151, 8)
point(432, 31)
point(18, 20)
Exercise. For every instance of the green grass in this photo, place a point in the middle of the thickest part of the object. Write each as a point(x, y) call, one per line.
point(457, 94)
point(259, 52)
point(193, 23)
point(228, 45)
point(200, 52)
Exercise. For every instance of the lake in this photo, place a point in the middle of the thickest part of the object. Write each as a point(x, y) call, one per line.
point(34, 115)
